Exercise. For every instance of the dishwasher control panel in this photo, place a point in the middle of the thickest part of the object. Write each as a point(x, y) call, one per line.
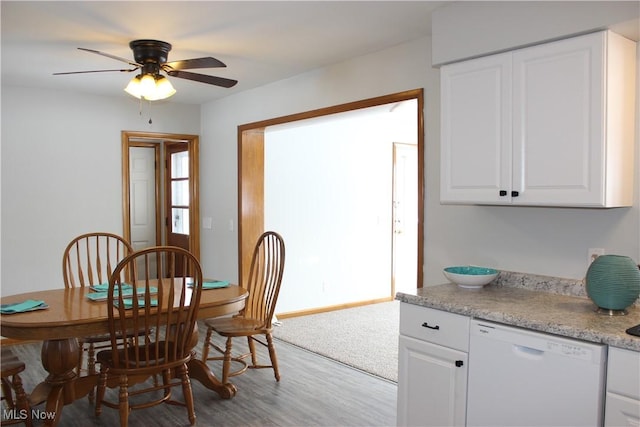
point(571, 350)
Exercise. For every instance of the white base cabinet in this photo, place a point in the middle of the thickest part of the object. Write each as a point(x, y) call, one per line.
point(622, 407)
point(548, 125)
point(432, 367)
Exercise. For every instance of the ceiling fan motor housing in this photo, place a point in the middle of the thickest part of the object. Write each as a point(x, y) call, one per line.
point(150, 51)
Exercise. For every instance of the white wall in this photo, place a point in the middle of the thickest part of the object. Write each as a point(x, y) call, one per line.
point(61, 174)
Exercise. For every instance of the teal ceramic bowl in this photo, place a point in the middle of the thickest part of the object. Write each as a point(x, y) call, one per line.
point(469, 276)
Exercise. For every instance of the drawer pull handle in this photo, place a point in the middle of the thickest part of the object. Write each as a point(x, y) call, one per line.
point(426, 325)
point(459, 363)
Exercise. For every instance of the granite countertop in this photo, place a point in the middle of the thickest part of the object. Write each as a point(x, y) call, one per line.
point(570, 316)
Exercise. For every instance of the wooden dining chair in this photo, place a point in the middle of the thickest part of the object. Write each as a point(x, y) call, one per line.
point(88, 260)
point(129, 364)
point(18, 407)
point(265, 277)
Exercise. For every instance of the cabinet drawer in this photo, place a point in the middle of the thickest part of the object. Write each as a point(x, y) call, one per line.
point(435, 326)
point(623, 372)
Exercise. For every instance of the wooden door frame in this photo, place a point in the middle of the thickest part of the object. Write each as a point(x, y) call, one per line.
point(133, 138)
point(251, 173)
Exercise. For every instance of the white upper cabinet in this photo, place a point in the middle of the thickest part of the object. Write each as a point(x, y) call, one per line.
point(549, 125)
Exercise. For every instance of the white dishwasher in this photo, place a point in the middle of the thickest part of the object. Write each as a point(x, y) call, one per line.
point(519, 377)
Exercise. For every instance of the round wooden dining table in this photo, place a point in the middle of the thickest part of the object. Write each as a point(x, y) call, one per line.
point(70, 314)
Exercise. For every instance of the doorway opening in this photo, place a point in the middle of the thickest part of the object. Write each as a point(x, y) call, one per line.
point(404, 249)
point(252, 198)
point(160, 198)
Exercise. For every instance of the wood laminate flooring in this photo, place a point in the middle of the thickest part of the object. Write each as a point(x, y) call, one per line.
point(313, 391)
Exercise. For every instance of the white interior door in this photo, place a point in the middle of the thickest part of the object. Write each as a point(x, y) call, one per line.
point(143, 196)
point(405, 217)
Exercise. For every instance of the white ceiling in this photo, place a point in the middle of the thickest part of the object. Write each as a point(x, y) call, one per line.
point(260, 42)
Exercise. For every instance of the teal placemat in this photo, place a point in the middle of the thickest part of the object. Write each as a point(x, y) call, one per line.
point(102, 296)
point(213, 284)
point(128, 303)
point(104, 287)
point(23, 307)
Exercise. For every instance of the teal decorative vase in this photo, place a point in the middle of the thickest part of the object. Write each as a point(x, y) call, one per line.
point(613, 282)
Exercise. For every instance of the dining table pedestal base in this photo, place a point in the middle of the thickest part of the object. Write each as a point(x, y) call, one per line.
point(199, 371)
point(63, 385)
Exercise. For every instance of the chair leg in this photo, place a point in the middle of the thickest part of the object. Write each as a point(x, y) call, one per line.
point(166, 379)
point(102, 386)
point(252, 349)
point(188, 393)
point(91, 369)
point(272, 355)
point(80, 355)
point(124, 401)
point(7, 393)
point(226, 364)
point(205, 347)
point(22, 402)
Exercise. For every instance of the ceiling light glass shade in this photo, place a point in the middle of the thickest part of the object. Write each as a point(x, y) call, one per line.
point(163, 89)
point(149, 87)
point(133, 88)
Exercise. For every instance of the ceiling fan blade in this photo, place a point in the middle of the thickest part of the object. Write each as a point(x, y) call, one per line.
point(108, 55)
point(202, 78)
point(188, 64)
point(95, 71)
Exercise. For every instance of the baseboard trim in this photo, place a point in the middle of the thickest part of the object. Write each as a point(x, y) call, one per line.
point(326, 309)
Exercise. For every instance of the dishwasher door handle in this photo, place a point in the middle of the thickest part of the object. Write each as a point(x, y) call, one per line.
point(528, 352)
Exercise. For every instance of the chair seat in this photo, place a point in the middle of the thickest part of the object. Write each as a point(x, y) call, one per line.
point(106, 356)
point(11, 365)
point(106, 337)
point(237, 326)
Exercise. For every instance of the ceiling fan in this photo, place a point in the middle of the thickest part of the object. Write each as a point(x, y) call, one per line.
point(150, 57)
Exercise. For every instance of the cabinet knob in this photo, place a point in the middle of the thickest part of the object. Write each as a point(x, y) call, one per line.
point(503, 192)
point(514, 194)
point(426, 325)
point(459, 363)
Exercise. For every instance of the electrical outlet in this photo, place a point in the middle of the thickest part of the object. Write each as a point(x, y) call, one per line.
point(594, 253)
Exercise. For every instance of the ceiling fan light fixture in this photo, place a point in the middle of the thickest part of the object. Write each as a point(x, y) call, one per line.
point(147, 85)
point(163, 89)
point(133, 88)
point(150, 87)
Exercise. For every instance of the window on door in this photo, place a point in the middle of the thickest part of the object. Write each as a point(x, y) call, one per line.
point(180, 193)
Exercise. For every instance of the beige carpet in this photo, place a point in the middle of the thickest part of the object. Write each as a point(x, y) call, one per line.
point(363, 337)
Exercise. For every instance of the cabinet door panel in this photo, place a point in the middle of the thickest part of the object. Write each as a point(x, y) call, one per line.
point(558, 126)
point(621, 411)
point(476, 130)
point(431, 388)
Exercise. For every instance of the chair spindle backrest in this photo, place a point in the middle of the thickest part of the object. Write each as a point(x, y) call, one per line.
point(91, 258)
point(265, 277)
